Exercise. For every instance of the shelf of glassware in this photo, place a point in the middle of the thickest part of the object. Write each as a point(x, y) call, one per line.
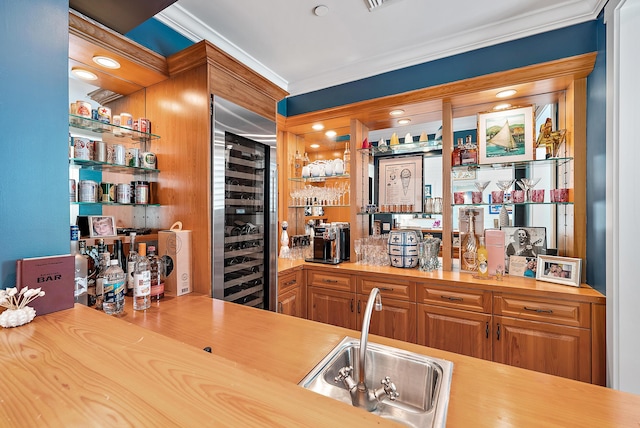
point(117, 131)
point(319, 179)
point(113, 204)
point(403, 148)
point(104, 166)
point(550, 161)
point(512, 204)
point(415, 214)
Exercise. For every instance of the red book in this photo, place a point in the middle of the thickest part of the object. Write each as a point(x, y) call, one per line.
point(54, 275)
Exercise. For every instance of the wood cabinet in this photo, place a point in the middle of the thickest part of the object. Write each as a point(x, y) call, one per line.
point(543, 334)
point(331, 298)
point(455, 319)
point(291, 293)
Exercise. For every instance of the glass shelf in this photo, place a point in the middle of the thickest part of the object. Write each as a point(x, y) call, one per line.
point(104, 166)
point(511, 204)
point(400, 213)
point(549, 161)
point(318, 179)
point(114, 204)
point(323, 206)
point(415, 147)
point(98, 127)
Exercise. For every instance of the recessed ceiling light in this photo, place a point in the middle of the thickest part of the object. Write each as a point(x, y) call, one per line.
point(84, 74)
point(331, 134)
point(396, 112)
point(505, 94)
point(318, 126)
point(502, 106)
point(314, 146)
point(106, 62)
point(321, 10)
point(403, 121)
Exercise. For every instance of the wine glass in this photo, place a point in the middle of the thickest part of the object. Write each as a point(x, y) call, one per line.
point(527, 184)
point(357, 247)
point(505, 185)
point(481, 185)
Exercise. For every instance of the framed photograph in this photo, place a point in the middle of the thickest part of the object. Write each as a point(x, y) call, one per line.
point(561, 270)
point(523, 266)
point(506, 135)
point(524, 242)
point(464, 173)
point(100, 226)
point(400, 183)
point(427, 190)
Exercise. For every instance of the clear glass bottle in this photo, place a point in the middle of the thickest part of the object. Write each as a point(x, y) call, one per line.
point(101, 270)
point(156, 266)
point(81, 269)
point(469, 246)
point(305, 159)
point(142, 280)
point(483, 259)
point(118, 254)
point(131, 263)
point(347, 159)
point(113, 285)
point(297, 165)
point(455, 153)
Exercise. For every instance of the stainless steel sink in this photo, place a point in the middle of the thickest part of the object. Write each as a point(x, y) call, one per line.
point(422, 382)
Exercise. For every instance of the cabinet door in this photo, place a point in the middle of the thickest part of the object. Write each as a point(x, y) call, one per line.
point(455, 330)
point(331, 307)
point(290, 302)
point(548, 348)
point(397, 319)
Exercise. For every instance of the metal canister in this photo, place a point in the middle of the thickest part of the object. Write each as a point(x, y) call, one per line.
point(133, 157)
point(83, 108)
point(100, 151)
point(107, 192)
point(119, 154)
point(141, 192)
point(149, 160)
point(73, 194)
point(104, 114)
point(126, 120)
point(123, 193)
point(81, 148)
point(87, 191)
point(144, 125)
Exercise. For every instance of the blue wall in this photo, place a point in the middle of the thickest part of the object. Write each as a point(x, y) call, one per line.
point(34, 219)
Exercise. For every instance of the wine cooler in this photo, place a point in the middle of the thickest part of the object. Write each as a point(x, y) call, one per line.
point(244, 206)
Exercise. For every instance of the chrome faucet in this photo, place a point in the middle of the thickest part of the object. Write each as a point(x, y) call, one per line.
point(361, 395)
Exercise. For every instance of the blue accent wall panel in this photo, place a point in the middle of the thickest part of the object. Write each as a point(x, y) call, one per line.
point(156, 36)
point(565, 42)
point(596, 166)
point(34, 174)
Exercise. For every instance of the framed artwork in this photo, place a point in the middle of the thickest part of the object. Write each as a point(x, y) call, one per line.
point(524, 242)
point(523, 266)
point(400, 183)
point(506, 135)
point(427, 190)
point(561, 270)
point(464, 173)
point(100, 226)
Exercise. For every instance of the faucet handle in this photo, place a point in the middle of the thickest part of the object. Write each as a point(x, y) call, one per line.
point(343, 373)
point(390, 388)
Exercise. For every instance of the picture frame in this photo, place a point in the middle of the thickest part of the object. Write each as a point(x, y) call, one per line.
point(506, 135)
point(560, 270)
point(400, 183)
point(523, 241)
point(523, 266)
point(101, 226)
point(463, 173)
point(427, 190)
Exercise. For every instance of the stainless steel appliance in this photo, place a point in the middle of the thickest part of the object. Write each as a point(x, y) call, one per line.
point(331, 243)
point(244, 188)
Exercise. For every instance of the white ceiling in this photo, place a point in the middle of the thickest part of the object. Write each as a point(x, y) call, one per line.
point(287, 43)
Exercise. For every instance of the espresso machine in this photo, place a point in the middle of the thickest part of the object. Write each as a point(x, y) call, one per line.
point(331, 243)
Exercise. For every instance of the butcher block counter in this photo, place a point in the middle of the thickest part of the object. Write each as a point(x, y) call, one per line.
point(80, 367)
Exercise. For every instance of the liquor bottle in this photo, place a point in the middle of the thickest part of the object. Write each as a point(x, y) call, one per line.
point(347, 159)
point(305, 159)
point(81, 268)
point(455, 153)
point(91, 272)
point(103, 265)
point(469, 155)
point(113, 285)
point(469, 246)
point(118, 254)
point(156, 266)
point(483, 259)
point(297, 165)
point(142, 280)
point(131, 263)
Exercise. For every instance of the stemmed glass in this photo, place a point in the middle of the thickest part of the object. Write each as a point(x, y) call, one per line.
point(481, 185)
point(527, 184)
point(505, 185)
point(357, 247)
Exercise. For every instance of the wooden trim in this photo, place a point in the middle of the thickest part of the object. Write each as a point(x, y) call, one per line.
point(598, 344)
point(447, 209)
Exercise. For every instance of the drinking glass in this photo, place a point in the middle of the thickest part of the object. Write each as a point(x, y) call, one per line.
point(357, 247)
point(505, 185)
point(527, 184)
point(481, 185)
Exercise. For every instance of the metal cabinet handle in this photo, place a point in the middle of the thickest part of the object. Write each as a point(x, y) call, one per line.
point(331, 281)
point(359, 306)
point(487, 329)
point(453, 299)
point(293, 281)
point(498, 332)
point(540, 311)
point(385, 289)
point(351, 305)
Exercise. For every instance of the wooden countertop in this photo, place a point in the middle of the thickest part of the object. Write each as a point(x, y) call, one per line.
point(508, 283)
point(80, 367)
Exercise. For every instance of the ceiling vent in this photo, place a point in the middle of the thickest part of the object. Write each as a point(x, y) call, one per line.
point(376, 4)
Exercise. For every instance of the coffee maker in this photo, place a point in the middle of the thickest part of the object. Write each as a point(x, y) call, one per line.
point(331, 243)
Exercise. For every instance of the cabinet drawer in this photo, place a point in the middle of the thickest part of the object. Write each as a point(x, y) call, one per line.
point(454, 297)
point(332, 280)
point(289, 280)
point(400, 290)
point(576, 314)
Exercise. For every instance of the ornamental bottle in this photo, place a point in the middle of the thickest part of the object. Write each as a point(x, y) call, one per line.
point(483, 259)
point(142, 280)
point(347, 159)
point(156, 266)
point(297, 165)
point(113, 285)
point(469, 247)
